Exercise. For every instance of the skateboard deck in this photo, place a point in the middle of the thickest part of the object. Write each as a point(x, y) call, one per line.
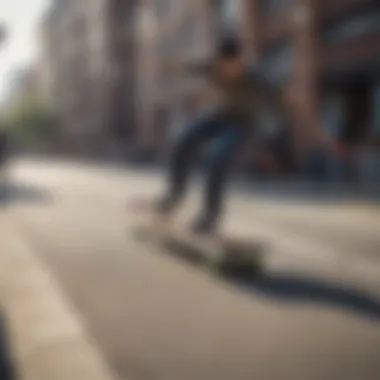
point(221, 254)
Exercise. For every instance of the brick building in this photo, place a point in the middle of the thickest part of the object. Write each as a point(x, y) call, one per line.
point(88, 53)
point(120, 60)
point(330, 50)
point(169, 30)
point(146, 74)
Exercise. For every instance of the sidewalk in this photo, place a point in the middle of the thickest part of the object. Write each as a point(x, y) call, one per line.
point(48, 339)
point(361, 198)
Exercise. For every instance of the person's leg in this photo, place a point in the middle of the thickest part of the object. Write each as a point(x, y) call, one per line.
point(224, 151)
point(180, 160)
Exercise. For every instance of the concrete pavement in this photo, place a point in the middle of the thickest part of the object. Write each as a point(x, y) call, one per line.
point(48, 337)
point(315, 315)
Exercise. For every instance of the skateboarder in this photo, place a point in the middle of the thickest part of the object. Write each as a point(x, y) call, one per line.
point(242, 92)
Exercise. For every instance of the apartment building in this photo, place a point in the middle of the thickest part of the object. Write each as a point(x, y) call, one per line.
point(145, 95)
point(88, 51)
point(184, 31)
point(120, 25)
point(349, 76)
point(328, 50)
point(171, 32)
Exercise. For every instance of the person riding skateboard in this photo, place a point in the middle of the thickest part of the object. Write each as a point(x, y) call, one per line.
point(242, 92)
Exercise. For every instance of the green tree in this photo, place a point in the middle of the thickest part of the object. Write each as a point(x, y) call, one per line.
point(32, 121)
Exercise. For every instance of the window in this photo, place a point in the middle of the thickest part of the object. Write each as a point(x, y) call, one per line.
point(333, 114)
point(278, 62)
point(146, 22)
point(229, 13)
point(165, 79)
point(189, 32)
point(166, 47)
point(355, 27)
point(79, 27)
point(164, 8)
point(270, 7)
point(230, 10)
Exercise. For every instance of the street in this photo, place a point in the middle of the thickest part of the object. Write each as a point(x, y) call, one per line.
point(315, 314)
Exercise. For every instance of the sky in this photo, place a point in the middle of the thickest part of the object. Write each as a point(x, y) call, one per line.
point(21, 19)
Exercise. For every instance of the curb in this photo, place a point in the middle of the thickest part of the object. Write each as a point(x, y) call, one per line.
point(49, 339)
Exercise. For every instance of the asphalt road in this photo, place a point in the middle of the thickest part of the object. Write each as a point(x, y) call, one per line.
point(315, 315)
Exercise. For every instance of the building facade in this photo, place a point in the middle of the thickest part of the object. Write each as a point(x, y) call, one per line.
point(348, 78)
point(327, 50)
point(88, 52)
point(170, 32)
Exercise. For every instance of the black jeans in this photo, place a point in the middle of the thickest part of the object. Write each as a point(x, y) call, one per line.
point(225, 139)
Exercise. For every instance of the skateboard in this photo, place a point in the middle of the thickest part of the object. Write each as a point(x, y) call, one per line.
point(220, 254)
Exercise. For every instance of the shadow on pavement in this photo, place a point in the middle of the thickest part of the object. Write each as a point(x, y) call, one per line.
point(291, 288)
point(12, 192)
point(285, 287)
point(288, 287)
